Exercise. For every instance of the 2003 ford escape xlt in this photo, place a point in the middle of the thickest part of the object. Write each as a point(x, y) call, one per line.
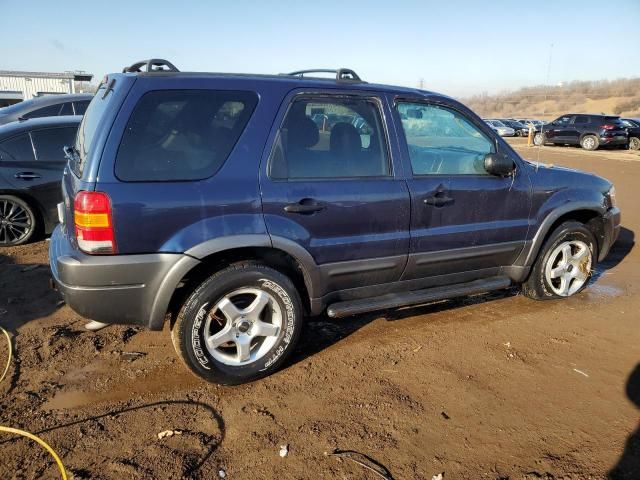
point(234, 205)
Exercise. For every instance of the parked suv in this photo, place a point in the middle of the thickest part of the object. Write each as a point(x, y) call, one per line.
point(214, 201)
point(588, 131)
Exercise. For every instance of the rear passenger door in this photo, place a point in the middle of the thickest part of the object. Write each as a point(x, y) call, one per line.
point(463, 220)
point(331, 183)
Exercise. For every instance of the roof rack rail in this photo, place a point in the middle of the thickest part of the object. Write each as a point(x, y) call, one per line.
point(153, 65)
point(342, 74)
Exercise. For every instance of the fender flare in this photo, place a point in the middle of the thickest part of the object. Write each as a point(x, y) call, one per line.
point(543, 230)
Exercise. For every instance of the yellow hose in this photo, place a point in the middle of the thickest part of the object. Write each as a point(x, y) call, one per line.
point(30, 436)
point(42, 443)
point(6, 369)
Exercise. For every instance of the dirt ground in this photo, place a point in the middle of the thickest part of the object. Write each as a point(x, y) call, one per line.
point(492, 387)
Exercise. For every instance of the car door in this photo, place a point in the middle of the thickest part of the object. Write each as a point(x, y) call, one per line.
point(560, 130)
point(579, 125)
point(337, 191)
point(34, 162)
point(463, 220)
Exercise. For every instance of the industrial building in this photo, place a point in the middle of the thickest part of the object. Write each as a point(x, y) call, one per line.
point(16, 86)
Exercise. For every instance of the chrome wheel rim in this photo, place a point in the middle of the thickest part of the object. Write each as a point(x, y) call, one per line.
point(568, 267)
point(15, 222)
point(537, 139)
point(634, 144)
point(243, 326)
point(589, 143)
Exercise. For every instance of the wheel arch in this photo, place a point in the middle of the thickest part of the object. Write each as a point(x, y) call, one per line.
point(281, 259)
point(587, 214)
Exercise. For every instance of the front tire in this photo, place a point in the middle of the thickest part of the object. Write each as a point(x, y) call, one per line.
point(589, 142)
point(239, 325)
point(634, 143)
point(539, 139)
point(564, 265)
point(17, 221)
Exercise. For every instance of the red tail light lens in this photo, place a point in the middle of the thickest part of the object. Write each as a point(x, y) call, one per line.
point(608, 126)
point(94, 223)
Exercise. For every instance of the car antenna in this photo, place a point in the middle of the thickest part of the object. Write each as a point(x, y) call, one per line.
point(544, 104)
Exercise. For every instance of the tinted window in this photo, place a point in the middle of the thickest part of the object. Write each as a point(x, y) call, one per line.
point(442, 141)
point(563, 120)
point(326, 137)
point(182, 134)
point(80, 107)
point(17, 149)
point(50, 111)
point(581, 120)
point(89, 125)
point(66, 109)
point(50, 142)
point(629, 123)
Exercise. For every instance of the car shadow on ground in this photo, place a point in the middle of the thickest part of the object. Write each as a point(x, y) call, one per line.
point(628, 466)
point(321, 331)
point(25, 293)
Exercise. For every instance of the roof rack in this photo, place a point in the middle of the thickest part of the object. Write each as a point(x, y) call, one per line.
point(342, 74)
point(153, 65)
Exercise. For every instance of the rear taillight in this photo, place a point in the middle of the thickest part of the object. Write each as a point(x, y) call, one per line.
point(608, 126)
point(94, 223)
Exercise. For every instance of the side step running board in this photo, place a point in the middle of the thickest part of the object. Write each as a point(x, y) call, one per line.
point(394, 300)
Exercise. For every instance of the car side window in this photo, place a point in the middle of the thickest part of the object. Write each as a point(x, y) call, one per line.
point(49, 143)
point(581, 120)
point(17, 149)
point(177, 135)
point(80, 107)
point(330, 137)
point(442, 141)
point(50, 111)
point(563, 120)
point(66, 109)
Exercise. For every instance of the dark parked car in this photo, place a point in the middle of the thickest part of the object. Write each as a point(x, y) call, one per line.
point(238, 230)
point(46, 106)
point(520, 129)
point(588, 131)
point(31, 164)
point(633, 129)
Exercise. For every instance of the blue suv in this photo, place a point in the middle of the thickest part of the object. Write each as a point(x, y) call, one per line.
point(220, 203)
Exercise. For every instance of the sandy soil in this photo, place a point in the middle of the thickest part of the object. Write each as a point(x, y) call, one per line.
point(493, 387)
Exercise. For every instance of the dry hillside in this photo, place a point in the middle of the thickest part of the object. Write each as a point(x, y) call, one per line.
point(619, 97)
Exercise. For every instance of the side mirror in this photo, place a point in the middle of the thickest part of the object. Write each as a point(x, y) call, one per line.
point(499, 165)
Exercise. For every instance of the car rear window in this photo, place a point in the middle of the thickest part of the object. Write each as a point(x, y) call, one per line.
point(89, 126)
point(178, 135)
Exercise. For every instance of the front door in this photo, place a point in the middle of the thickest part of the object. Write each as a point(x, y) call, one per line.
point(463, 219)
point(330, 186)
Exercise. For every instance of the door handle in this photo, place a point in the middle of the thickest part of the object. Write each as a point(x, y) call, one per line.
point(438, 201)
point(26, 175)
point(304, 206)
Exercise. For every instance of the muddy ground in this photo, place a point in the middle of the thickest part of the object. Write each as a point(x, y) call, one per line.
point(494, 387)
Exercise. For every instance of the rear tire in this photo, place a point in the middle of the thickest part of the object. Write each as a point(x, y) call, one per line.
point(590, 142)
point(239, 325)
point(564, 264)
point(17, 221)
point(634, 143)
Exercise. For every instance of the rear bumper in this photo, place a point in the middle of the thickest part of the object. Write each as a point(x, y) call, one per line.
point(127, 289)
point(611, 221)
point(617, 140)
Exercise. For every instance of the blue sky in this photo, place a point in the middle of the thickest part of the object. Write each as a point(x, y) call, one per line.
point(458, 47)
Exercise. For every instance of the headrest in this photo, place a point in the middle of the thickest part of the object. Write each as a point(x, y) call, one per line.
point(345, 139)
point(302, 133)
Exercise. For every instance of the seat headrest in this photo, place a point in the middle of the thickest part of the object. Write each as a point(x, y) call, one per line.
point(302, 133)
point(345, 139)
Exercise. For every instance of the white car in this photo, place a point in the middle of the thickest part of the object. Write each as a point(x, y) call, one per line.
point(500, 128)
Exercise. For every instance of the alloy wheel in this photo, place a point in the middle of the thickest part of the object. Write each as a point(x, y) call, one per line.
point(243, 326)
point(568, 267)
point(15, 222)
